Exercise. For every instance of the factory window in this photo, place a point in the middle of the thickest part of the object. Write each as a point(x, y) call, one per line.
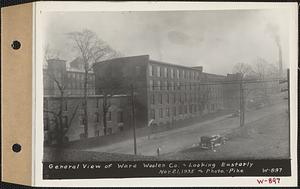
point(166, 85)
point(199, 107)
point(150, 70)
point(171, 73)
point(181, 98)
point(168, 112)
point(177, 73)
point(160, 98)
point(185, 109)
point(174, 111)
point(162, 86)
point(178, 86)
point(152, 114)
point(161, 113)
point(97, 116)
point(120, 117)
point(166, 72)
point(151, 85)
point(183, 74)
point(109, 116)
point(98, 102)
point(158, 85)
point(174, 98)
point(168, 98)
point(158, 71)
point(180, 110)
point(137, 70)
point(174, 73)
point(153, 99)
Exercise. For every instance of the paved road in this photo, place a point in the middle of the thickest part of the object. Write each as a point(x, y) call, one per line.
point(178, 139)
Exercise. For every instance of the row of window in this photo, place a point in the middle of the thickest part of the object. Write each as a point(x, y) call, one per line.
point(174, 98)
point(65, 119)
point(79, 76)
point(76, 84)
point(160, 71)
point(109, 116)
point(165, 85)
point(180, 110)
point(98, 104)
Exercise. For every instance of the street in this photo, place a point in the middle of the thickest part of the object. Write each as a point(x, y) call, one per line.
point(178, 139)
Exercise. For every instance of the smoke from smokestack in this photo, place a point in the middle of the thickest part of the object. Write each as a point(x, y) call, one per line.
point(273, 31)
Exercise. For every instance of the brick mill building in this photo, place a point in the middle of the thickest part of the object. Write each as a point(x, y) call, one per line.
point(72, 80)
point(163, 92)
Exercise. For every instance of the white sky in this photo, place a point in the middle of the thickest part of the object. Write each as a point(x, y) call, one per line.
point(215, 40)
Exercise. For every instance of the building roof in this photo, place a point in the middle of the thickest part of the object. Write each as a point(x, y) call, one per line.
point(76, 63)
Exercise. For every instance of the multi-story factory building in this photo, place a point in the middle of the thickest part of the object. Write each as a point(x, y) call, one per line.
point(73, 119)
point(64, 92)
point(163, 92)
point(71, 79)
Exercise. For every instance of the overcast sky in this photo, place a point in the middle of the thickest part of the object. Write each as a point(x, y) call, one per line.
point(215, 40)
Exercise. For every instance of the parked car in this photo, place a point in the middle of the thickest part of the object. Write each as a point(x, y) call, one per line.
point(235, 114)
point(210, 142)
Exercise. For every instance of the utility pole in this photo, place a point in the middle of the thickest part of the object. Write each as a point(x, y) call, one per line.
point(242, 104)
point(287, 89)
point(86, 125)
point(133, 119)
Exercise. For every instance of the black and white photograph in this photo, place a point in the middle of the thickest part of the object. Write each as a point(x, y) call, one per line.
point(148, 88)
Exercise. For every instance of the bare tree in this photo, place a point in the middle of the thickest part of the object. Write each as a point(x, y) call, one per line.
point(110, 87)
point(58, 78)
point(244, 69)
point(61, 125)
point(92, 50)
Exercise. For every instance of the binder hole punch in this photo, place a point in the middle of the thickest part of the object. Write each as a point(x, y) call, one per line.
point(16, 45)
point(16, 148)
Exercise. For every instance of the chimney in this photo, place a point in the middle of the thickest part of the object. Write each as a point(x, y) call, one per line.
point(56, 64)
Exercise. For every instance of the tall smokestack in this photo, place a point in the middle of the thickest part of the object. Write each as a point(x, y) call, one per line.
point(273, 29)
point(277, 40)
